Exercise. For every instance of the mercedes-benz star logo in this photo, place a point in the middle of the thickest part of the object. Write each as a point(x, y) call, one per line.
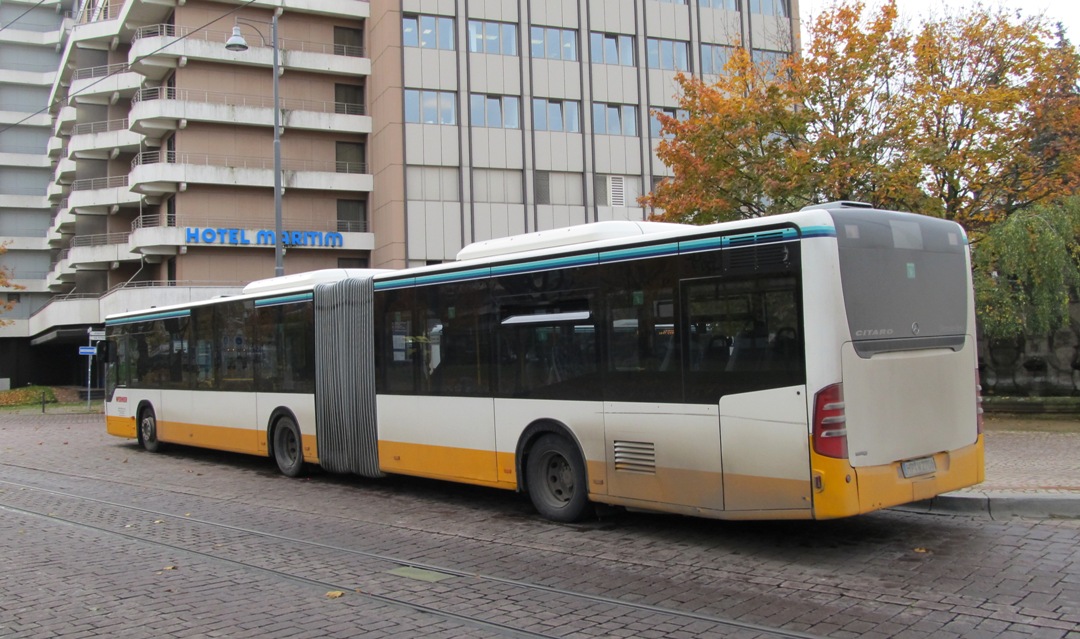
point(914, 328)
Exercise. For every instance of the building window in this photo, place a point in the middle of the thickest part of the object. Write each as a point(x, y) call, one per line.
point(553, 43)
point(432, 184)
point(348, 41)
point(769, 62)
point(492, 37)
point(428, 32)
point(714, 57)
point(672, 1)
point(617, 191)
point(607, 48)
point(556, 115)
point(430, 107)
point(495, 111)
point(673, 55)
point(778, 8)
point(349, 99)
point(352, 216)
point(654, 122)
point(499, 186)
point(615, 119)
point(350, 157)
point(730, 5)
point(14, 298)
point(560, 188)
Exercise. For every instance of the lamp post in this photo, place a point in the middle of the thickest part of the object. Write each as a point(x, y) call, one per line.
point(236, 42)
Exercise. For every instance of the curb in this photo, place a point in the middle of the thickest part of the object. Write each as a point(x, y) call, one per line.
point(1001, 505)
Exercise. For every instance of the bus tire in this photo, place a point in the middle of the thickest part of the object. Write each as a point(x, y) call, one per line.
point(148, 430)
point(288, 449)
point(556, 479)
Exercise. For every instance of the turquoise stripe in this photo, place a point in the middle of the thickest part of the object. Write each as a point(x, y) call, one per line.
point(285, 299)
point(387, 285)
point(147, 318)
point(706, 244)
point(819, 231)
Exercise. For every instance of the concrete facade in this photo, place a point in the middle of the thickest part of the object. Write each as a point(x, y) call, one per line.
point(409, 130)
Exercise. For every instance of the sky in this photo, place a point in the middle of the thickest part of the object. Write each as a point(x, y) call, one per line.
point(1065, 11)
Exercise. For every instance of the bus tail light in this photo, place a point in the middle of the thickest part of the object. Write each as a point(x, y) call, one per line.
point(978, 403)
point(830, 422)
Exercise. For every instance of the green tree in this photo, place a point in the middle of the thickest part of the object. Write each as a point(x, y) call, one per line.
point(1025, 268)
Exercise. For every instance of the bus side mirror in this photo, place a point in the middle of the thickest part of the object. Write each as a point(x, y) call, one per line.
point(105, 351)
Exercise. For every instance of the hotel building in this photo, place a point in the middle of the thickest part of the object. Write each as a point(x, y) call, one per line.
point(137, 155)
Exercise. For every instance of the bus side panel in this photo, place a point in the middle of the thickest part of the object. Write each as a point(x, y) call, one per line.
point(209, 419)
point(665, 453)
point(765, 452)
point(302, 406)
point(584, 419)
point(440, 437)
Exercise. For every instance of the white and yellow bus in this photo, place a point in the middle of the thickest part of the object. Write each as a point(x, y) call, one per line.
point(818, 364)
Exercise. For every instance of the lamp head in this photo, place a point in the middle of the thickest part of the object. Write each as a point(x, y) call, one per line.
point(236, 41)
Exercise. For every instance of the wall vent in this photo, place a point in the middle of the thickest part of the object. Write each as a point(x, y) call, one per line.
point(635, 457)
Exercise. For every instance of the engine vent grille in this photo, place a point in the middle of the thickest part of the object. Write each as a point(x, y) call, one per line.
point(635, 457)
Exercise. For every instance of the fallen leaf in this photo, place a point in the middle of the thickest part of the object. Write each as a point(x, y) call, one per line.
point(921, 550)
point(169, 568)
point(334, 594)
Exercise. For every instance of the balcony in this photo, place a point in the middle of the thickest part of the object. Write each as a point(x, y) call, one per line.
point(159, 172)
point(159, 109)
point(64, 172)
point(103, 84)
point(99, 252)
point(99, 196)
point(97, 20)
point(102, 140)
point(63, 223)
point(64, 120)
point(61, 272)
point(91, 308)
point(155, 60)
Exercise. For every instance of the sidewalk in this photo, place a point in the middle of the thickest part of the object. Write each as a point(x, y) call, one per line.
point(1032, 470)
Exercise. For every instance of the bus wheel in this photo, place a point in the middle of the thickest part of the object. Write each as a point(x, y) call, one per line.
point(148, 430)
point(287, 451)
point(555, 473)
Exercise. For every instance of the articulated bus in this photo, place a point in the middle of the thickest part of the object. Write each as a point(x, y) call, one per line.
point(818, 364)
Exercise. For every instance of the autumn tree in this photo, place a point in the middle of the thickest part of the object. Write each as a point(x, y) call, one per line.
point(970, 117)
point(739, 152)
point(991, 94)
point(5, 284)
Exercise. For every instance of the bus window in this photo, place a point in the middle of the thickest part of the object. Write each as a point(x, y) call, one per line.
point(205, 364)
point(235, 334)
point(283, 347)
point(643, 346)
point(744, 336)
point(453, 349)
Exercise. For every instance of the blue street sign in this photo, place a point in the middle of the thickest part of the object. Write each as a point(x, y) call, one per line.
point(87, 350)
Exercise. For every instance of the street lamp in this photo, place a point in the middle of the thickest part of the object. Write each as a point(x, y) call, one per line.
point(236, 42)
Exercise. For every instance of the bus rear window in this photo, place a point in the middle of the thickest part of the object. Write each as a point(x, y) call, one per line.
point(904, 278)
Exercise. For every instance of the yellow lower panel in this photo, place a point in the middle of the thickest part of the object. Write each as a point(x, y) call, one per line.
point(237, 440)
point(443, 462)
point(753, 492)
point(841, 491)
point(121, 426)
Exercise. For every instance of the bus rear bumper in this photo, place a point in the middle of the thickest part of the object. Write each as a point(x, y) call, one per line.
point(841, 491)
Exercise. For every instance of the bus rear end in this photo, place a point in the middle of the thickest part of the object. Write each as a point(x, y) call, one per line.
point(896, 415)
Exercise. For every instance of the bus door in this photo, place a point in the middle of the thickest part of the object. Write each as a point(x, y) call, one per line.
point(660, 448)
point(745, 359)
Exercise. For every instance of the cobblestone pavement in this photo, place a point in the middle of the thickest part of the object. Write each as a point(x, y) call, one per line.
point(98, 538)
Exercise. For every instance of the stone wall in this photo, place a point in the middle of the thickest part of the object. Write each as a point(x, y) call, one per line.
point(1035, 366)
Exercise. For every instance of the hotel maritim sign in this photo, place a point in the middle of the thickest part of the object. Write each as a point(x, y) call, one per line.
point(262, 237)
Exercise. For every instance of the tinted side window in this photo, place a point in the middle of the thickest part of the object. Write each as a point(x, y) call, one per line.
point(643, 356)
point(235, 334)
point(743, 335)
point(204, 364)
point(283, 352)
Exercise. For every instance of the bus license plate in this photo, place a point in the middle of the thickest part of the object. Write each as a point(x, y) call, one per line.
point(917, 467)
